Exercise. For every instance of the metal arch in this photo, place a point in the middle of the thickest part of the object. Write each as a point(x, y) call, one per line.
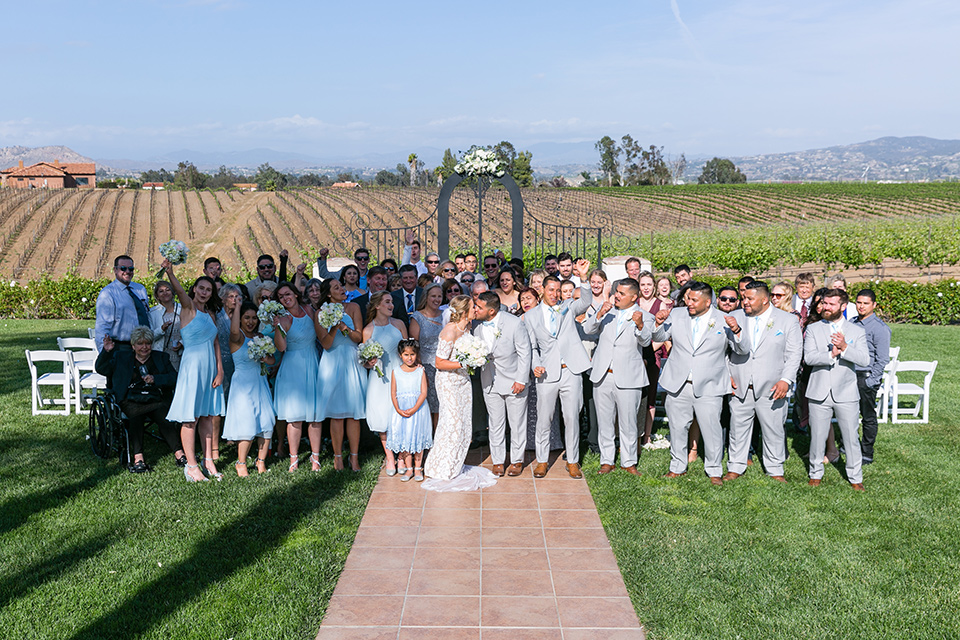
point(443, 215)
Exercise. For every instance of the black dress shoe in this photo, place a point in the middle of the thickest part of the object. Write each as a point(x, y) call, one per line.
point(182, 461)
point(139, 467)
point(867, 460)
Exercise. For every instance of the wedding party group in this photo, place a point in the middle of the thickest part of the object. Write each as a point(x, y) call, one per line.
point(409, 351)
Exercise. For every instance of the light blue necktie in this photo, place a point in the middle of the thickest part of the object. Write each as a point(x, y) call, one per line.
point(554, 320)
point(756, 334)
point(696, 331)
point(409, 303)
point(621, 319)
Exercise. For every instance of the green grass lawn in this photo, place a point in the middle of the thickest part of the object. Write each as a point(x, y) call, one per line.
point(88, 550)
point(757, 559)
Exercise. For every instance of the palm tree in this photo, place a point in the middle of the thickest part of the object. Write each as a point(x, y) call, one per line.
point(414, 163)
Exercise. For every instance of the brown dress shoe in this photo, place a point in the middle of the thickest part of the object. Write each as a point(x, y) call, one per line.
point(717, 482)
point(498, 470)
point(814, 483)
point(857, 486)
point(605, 469)
point(632, 469)
point(540, 470)
point(779, 478)
point(515, 470)
point(731, 476)
point(574, 470)
point(674, 475)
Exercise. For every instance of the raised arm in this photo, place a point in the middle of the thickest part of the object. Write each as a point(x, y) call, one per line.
point(186, 302)
point(236, 336)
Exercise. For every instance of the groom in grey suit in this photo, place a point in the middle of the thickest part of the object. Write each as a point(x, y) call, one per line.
point(503, 379)
point(695, 377)
point(558, 360)
point(619, 375)
point(766, 348)
point(833, 348)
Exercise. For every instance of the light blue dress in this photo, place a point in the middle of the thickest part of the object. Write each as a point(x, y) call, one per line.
point(294, 397)
point(342, 382)
point(379, 402)
point(195, 396)
point(250, 412)
point(413, 434)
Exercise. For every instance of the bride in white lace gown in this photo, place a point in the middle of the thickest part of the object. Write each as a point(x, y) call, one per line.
point(444, 465)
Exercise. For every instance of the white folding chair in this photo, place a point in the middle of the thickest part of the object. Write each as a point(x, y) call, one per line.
point(91, 333)
point(84, 374)
point(62, 379)
point(911, 389)
point(885, 394)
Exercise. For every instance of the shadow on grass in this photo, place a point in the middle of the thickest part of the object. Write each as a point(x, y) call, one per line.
point(50, 569)
point(234, 546)
point(16, 511)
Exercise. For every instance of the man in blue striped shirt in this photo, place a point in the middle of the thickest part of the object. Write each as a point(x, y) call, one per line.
point(121, 306)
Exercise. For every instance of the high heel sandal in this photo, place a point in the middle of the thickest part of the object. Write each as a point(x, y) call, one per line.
point(294, 463)
point(237, 465)
point(190, 478)
point(262, 461)
point(214, 474)
point(355, 458)
point(418, 474)
point(337, 462)
point(315, 460)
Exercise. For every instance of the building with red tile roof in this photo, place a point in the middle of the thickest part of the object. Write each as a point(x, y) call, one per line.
point(50, 175)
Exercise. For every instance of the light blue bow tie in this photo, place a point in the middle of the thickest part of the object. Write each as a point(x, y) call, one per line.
point(489, 323)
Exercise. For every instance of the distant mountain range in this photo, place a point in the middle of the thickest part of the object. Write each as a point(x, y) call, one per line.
point(896, 159)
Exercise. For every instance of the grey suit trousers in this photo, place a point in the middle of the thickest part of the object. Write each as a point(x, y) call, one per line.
point(569, 388)
point(772, 414)
point(617, 406)
point(499, 409)
point(681, 409)
point(848, 419)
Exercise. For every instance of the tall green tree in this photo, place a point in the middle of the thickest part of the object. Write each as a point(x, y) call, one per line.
point(523, 169)
point(507, 154)
point(609, 159)
point(721, 171)
point(187, 176)
point(386, 178)
point(269, 179)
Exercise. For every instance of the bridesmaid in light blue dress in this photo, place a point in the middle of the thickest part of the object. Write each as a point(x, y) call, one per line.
point(198, 395)
point(295, 398)
point(250, 412)
point(388, 331)
point(341, 382)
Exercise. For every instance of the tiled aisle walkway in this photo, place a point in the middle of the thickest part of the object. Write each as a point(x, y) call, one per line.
point(524, 559)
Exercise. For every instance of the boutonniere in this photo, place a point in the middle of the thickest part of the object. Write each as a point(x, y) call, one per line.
point(770, 323)
point(497, 333)
point(711, 324)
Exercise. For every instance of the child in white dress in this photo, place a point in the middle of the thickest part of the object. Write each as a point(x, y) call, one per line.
point(410, 431)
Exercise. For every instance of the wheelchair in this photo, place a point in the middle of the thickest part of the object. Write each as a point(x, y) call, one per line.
point(108, 430)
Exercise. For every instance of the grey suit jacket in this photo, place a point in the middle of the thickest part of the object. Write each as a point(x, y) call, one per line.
point(620, 350)
point(549, 351)
point(776, 357)
point(400, 304)
point(510, 358)
point(834, 374)
point(707, 361)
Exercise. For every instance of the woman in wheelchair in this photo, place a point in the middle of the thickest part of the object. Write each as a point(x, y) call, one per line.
point(142, 382)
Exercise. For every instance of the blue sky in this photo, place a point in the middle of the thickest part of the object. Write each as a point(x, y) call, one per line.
point(138, 78)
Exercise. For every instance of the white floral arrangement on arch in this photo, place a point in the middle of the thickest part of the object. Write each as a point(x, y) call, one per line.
point(480, 162)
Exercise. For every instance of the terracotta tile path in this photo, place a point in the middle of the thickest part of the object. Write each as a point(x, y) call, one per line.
point(522, 560)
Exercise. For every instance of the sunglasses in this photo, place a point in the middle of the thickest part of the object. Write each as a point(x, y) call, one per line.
point(489, 266)
point(362, 258)
point(452, 290)
point(389, 269)
point(450, 269)
point(126, 269)
point(265, 266)
point(727, 299)
point(777, 295)
point(466, 281)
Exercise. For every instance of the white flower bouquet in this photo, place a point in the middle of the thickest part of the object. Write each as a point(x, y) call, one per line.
point(270, 309)
point(175, 251)
point(259, 348)
point(471, 352)
point(480, 162)
point(331, 313)
point(371, 350)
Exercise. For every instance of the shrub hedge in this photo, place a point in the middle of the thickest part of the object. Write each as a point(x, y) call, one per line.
point(73, 297)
